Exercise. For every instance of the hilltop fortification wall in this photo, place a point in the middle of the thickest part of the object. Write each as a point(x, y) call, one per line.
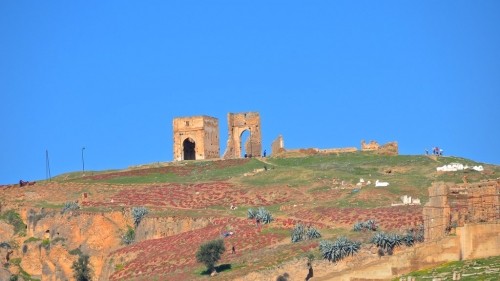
point(451, 205)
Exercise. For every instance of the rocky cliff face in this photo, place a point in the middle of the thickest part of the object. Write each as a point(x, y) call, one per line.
point(158, 227)
point(45, 252)
point(53, 240)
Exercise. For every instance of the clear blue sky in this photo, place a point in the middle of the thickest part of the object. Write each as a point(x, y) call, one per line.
point(111, 75)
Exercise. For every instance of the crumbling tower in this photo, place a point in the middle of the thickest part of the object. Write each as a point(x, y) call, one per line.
point(196, 137)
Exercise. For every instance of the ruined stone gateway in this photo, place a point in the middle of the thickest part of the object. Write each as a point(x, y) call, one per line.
point(237, 124)
point(196, 137)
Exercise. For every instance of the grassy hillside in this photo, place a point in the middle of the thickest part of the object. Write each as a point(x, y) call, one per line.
point(331, 178)
point(470, 270)
point(319, 190)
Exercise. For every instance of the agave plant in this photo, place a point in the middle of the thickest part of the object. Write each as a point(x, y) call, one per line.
point(70, 206)
point(138, 213)
point(298, 233)
point(358, 226)
point(366, 225)
point(339, 249)
point(251, 213)
point(387, 242)
point(414, 235)
point(379, 240)
point(419, 234)
point(264, 215)
point(409, 239)
point(371, 225)
point(312, 233)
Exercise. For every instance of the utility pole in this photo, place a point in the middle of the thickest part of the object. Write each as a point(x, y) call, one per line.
point(47, 166)
point(83, 162)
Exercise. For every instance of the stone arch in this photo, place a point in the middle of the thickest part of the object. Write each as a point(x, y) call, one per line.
point(237, 124)
point(189, 149)
point(245, 137)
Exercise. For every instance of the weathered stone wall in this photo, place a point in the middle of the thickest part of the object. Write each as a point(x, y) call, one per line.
point(472, 241)
point(237, 124)
point(373, 145)
point(452, 205)
point(278, 146)
point(278, 150)
point(390, 148)
point(479, 240)
point(436, 212)
point(202, 130)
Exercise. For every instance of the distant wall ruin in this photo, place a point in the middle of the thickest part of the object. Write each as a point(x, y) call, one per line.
point(278, 146)
point(196, 137)
point(279, 150)
point(238, 123)
point(454, 205)
point(390, 148)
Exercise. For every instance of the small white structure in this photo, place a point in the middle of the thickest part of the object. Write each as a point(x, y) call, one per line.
point(381, 183)
point(453, 167)
point(478, 168)
point(407, 200)
point(360, 183)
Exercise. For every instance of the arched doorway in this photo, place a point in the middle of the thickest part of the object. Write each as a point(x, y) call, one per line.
point(244, 140)
point(189, 149)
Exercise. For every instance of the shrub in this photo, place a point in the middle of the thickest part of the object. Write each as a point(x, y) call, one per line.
point(31, 239)
point(129, 236)
point(5, 245)
point(33, 217)
point(210, 252)
point(300, 233)
point(14, 219)
point(138, 214)
point(75, 252)
point(283, 277)
point(81, 269)
point(338, 249)
point(70, 206)
point(15, 261)
point(57, 239)
point(45, 243)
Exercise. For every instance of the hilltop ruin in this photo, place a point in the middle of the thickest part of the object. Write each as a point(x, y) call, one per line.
point(197, 137)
